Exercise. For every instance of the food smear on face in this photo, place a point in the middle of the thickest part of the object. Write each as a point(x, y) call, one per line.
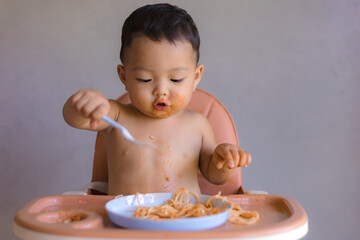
point(164, 107)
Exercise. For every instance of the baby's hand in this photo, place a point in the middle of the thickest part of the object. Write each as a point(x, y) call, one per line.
point(232, 155)
point(91, 104)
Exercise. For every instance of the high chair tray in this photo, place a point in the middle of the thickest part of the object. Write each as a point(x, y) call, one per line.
point(84, 217)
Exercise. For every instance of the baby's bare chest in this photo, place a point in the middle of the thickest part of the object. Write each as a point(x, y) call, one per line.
point(172, 145)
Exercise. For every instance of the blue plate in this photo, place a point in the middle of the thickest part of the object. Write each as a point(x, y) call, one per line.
point(121, 212)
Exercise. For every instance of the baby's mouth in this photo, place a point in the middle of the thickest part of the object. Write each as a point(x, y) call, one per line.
point(161, 105)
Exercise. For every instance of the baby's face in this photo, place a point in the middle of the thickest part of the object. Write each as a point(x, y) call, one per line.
point(160, 77)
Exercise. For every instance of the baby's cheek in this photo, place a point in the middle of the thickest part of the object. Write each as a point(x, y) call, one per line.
point(179, 102)
point(141, 103)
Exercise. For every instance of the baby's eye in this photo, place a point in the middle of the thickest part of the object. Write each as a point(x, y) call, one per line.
point(143, 80)
point(177, 80)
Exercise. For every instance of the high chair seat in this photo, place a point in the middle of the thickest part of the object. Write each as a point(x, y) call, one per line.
point(224, 130)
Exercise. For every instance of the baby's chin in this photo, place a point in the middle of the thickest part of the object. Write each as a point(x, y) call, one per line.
point(160, 112)
point(163, 114)
point(154, 113)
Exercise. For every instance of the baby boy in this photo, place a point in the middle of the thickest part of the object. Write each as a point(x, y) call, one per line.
point(160, 71)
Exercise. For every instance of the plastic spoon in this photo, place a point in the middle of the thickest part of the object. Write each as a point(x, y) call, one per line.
point(125, 132)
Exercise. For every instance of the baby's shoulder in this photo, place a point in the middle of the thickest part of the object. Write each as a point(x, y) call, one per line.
point(198, 119)
point(121, 110)
point(194, 114)
point(117, 103)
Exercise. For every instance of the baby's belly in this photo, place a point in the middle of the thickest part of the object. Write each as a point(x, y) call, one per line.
point(146, 170)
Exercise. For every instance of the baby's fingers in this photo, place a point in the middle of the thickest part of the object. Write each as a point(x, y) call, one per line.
point(90, 103)
point(248, 160)
point(79, 101)
point(93, 124)
point(90, 108)
point(77, 96)
point(99, 111)
point(220, 164)
point(224, 156)
point(235, 158)
point(245, 158)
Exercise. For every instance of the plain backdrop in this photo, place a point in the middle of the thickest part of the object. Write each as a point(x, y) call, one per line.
point(288, 72)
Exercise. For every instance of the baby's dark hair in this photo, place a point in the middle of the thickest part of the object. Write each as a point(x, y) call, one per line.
point(160, 21)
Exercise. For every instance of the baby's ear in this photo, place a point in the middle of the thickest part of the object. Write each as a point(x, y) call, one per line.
point(121, 73)
point(198, 74)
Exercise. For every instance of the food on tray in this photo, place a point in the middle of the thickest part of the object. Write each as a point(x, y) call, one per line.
point(180, 206)
point(68, 217)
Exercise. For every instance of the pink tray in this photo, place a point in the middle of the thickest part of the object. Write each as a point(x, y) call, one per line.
point(280, 218)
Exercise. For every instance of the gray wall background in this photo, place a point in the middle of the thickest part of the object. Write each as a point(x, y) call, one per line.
point(288, 71)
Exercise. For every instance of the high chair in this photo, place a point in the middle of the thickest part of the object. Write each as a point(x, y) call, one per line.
point(281, 218)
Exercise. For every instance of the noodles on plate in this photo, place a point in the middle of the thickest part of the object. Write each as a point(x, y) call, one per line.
point(180, 206)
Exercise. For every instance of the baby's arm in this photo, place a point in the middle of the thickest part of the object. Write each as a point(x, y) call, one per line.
point(85, 109)
point(217, 162)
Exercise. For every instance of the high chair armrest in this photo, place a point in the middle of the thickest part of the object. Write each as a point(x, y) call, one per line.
point(99, 187)
point(256, 192)
point(74, 193)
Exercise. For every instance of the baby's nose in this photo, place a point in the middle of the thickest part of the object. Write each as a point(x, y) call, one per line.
point(161, 90)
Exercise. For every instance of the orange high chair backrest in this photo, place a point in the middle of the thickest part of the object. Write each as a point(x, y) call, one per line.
point(224, 130)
